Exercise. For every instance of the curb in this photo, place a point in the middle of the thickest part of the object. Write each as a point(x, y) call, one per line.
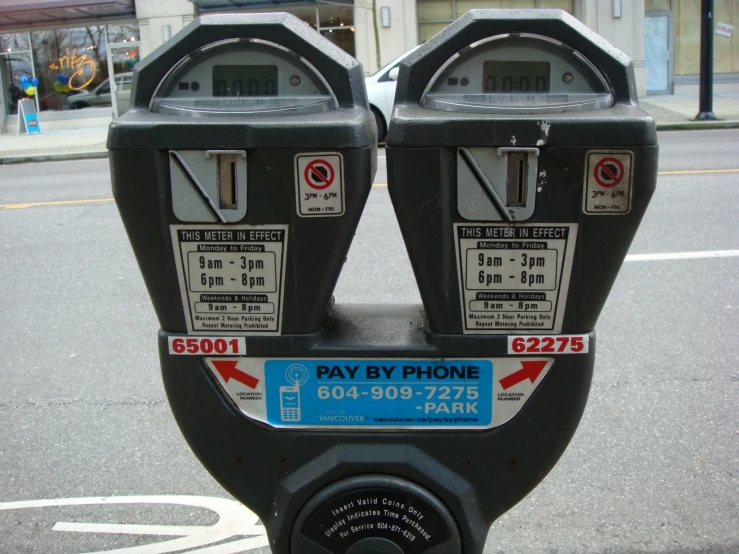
point(8, 160)
point(697, 125)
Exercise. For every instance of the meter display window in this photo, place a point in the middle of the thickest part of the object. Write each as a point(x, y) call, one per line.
point(500, 76)
point(245, 80)
point(246, 77)
point(517, 74)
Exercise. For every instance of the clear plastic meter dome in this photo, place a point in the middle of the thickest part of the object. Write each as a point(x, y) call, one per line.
point(243, 77)
point(518, 73)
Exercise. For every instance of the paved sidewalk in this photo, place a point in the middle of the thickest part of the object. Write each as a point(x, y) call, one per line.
point(677, 111)
point(68, 144)
point(670, 112)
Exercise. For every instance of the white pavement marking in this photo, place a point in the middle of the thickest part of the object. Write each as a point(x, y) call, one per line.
point(234, 521)
point(681, 255)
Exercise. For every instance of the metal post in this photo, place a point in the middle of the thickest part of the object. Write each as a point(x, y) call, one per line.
point(33, 73)
point(111, 75)
point(705, 104)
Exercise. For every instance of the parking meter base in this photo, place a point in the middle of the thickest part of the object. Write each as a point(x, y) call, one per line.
point(475, 474)
point(409, 519)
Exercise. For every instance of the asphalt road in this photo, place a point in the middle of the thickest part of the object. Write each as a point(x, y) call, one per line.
point(653, 467)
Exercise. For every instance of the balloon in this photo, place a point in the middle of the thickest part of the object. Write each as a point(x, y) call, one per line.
point(57, 86)
point(66, 88)
point(24, 81)
point(34, 82)
point(62, 79)
point(30, 91)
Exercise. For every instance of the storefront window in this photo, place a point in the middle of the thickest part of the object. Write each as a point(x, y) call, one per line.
point(434, 15)
point(657, 5)
point(71, 65)
point(14, 43)
point(15, 61)
point(14, 66)
point(127, 32)
point(726, 49)
point(688, 37)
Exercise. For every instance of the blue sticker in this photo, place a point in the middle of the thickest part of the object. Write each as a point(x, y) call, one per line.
point(32, 124)
point(379, 393)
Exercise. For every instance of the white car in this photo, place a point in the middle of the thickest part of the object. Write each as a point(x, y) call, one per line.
point(100, 95)
point(381, 93)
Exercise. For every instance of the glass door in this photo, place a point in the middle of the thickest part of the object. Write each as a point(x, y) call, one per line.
point(658, 52)
point(122, 56)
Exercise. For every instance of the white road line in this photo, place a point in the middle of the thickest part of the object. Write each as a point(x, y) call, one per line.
point(681, 255)
point(235, 521)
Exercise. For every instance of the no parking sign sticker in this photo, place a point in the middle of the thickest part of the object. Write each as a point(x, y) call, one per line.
point(608, 179)
point(319, 183)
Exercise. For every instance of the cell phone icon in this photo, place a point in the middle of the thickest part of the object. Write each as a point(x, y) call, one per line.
point(290, 403)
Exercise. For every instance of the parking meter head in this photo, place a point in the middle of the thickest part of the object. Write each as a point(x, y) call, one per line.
point(252, 120)
point(342, 73)
point(512, 120)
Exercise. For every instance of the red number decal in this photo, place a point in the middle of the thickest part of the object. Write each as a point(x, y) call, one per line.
point(221, 346)
point(562, 343)
point(533, 344)
point(235, 345)
point(192, 346)
point(518, 345)
point(206, 346)
point(547, 344)
point(577, 344)
point(178, 345)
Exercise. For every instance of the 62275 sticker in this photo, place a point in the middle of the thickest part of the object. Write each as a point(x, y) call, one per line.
point(548, 344)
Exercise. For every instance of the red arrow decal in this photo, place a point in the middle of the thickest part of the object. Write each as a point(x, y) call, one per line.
point(227, 369)
point(529, 370)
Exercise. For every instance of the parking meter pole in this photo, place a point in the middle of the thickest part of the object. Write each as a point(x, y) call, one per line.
point(706, 79)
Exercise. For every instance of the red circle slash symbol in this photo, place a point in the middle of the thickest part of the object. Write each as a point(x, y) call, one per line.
point(319, 174)
point(608, 172)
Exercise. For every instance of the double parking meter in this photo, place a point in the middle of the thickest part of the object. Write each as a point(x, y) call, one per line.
point(519, 167)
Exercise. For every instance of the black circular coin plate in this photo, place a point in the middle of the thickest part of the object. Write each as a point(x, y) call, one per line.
point(403, 518)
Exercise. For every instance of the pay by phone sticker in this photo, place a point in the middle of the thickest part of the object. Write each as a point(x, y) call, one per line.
point(514, 277)
point(231, 277)
point(319, 183)
point(419, 394)
point(608, 182)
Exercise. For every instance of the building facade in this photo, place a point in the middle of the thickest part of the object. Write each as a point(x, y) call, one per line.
point(73, 48)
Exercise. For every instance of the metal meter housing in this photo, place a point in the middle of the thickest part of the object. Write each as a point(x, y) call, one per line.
point(221, 116)
point(396, 429)
point(465, 141)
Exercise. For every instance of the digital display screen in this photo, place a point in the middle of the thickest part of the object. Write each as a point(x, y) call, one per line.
point(514, 76)
point(244, 80)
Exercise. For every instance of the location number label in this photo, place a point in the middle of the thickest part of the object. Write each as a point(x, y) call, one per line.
point(207, 346)
point(231, 277)
point(514, 277)
point(548, 344)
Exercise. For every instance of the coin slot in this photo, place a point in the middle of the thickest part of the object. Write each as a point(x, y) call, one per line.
point(227, 181)
point(516, 179)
